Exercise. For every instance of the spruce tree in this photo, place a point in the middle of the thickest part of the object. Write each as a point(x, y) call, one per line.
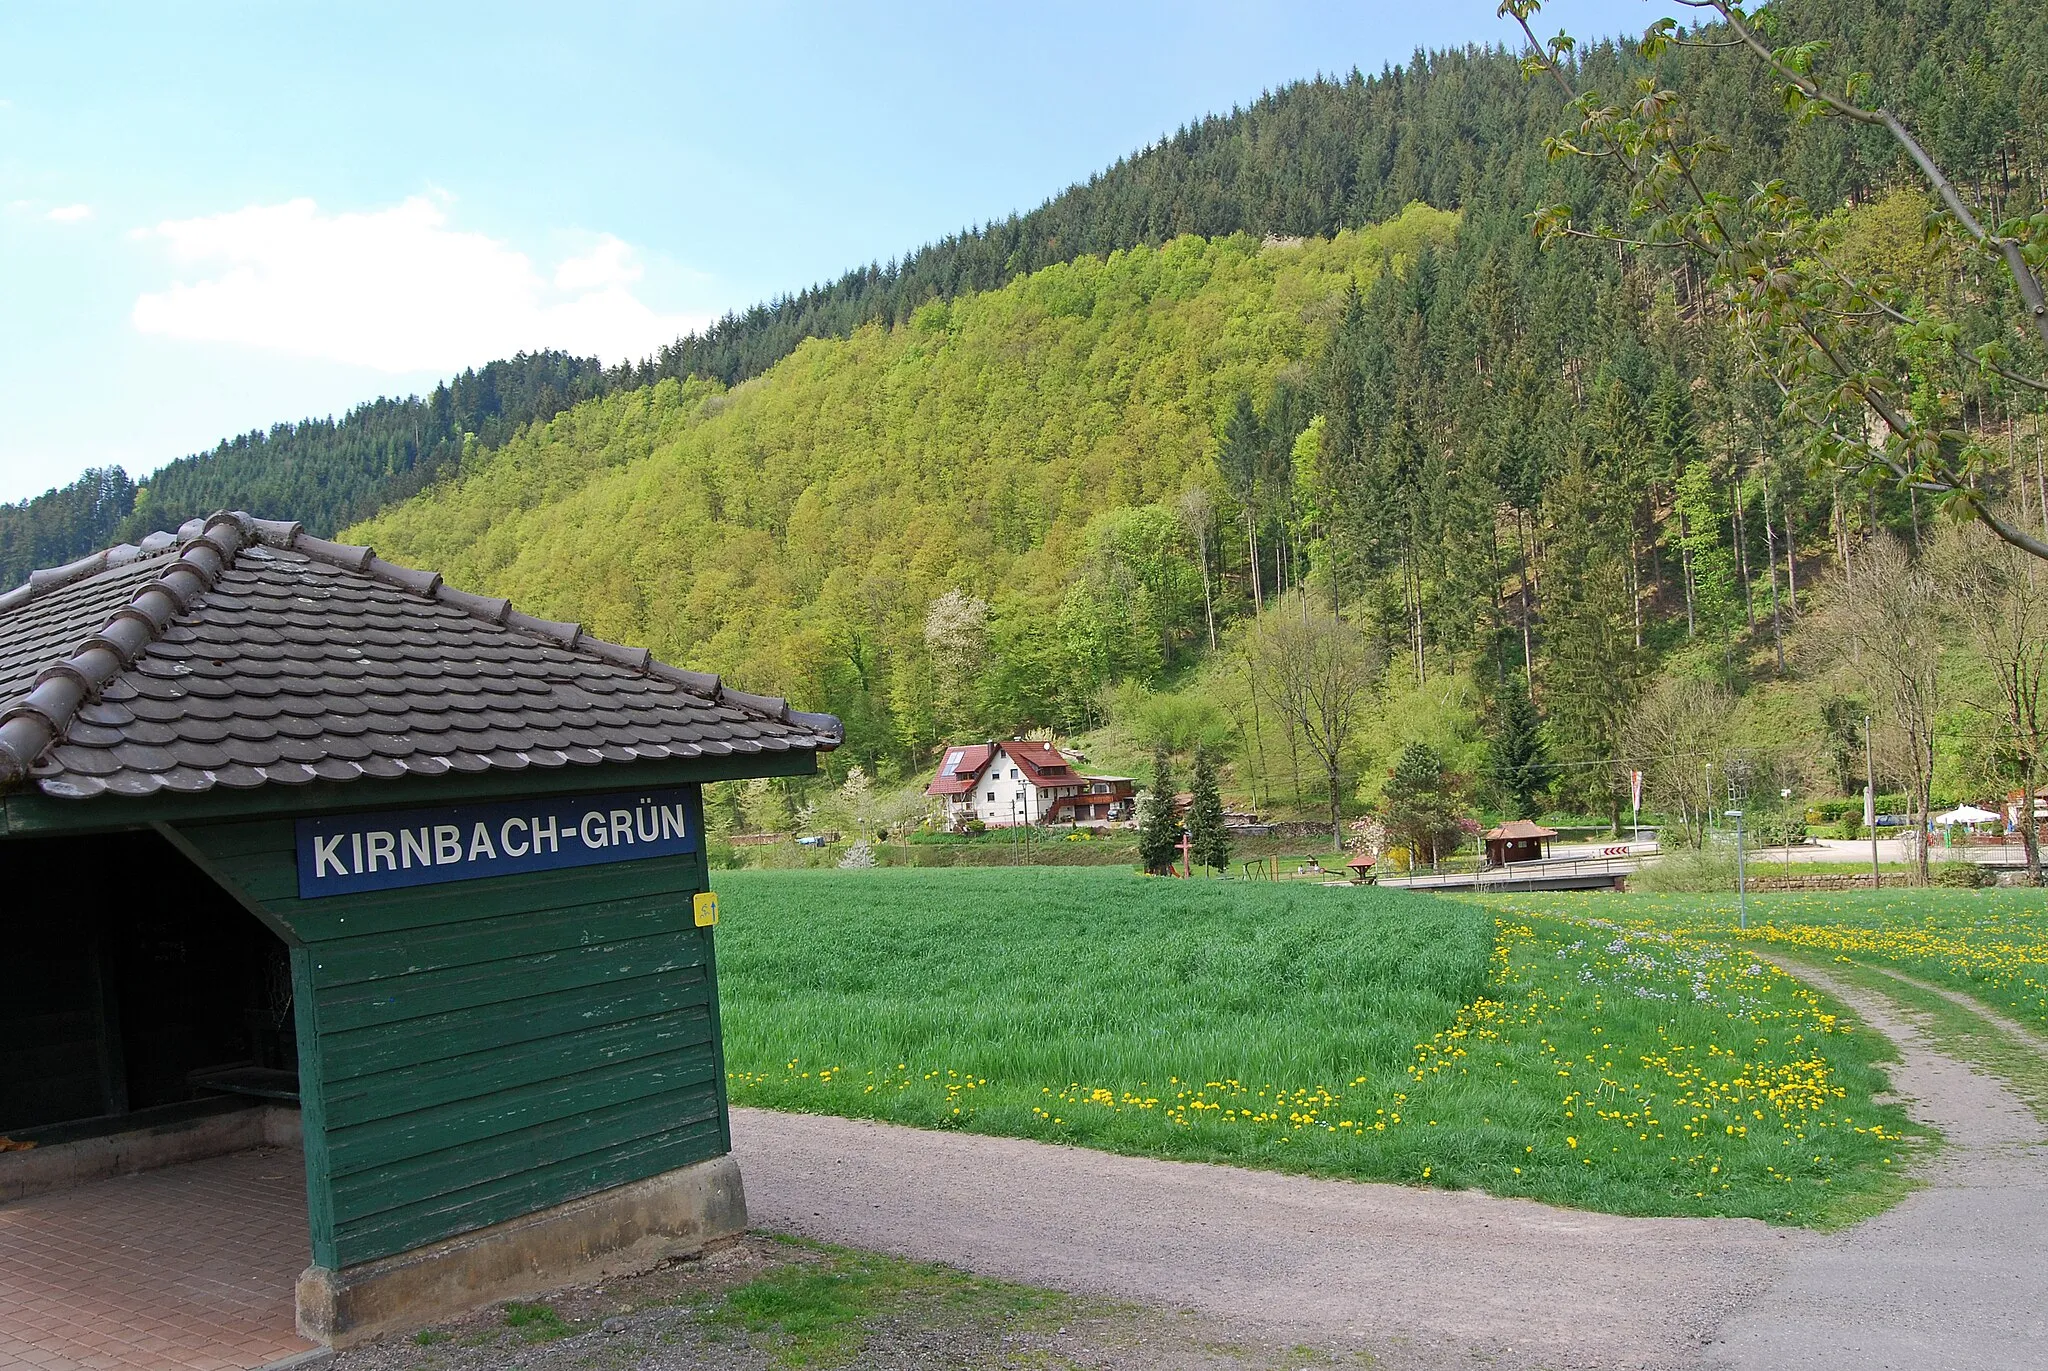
point(1159, 833)
point(1518, 758)
point(1209, 844)
point(1422, 804)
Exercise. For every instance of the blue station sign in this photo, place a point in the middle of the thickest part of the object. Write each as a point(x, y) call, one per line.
point(345, 854)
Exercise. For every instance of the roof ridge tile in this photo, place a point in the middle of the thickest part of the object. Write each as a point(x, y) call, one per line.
point(50, 578)
point(488, 608)
point(418, 582)
point(774, 706)
point(43, 715)
point(559, 632)
point(344, 555)
point(637, 658)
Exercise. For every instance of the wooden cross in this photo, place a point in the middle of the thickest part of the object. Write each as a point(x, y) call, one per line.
point(1186, 846)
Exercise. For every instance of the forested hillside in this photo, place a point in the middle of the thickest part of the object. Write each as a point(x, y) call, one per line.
point(1114, 445)
point(1510, 469)
point(322, 472)
point(1027, 450)
point(1459, 129)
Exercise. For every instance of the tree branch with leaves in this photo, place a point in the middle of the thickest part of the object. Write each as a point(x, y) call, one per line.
point(1853, 353)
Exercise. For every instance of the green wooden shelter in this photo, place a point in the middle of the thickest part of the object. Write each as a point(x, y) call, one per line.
point(281, 821)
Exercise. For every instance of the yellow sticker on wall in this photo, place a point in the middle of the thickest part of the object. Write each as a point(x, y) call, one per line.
point(705, 906)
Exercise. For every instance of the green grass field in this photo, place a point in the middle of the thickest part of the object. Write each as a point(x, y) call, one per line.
point(1992, 944)
point(1351, 1032)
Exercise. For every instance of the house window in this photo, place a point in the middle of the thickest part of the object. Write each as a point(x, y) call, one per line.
point(991, 794)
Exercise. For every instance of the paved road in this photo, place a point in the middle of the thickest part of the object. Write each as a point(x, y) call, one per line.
point(1957, 1276)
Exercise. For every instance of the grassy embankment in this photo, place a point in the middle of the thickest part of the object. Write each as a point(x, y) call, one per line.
point(1358, 1033)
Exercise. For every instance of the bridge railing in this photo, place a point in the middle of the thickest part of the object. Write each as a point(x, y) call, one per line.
point(1515, 873)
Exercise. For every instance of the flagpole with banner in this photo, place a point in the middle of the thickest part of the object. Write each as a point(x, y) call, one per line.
point(1635, 803)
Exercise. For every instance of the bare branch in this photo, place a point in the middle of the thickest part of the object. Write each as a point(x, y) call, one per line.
point(1590, 236)
point(1897, 316)
point(2018, 537)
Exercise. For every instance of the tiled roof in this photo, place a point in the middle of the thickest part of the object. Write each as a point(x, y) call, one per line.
point(959, 767)
point(1521, 828)
point(1041, 763)
point(241, 652)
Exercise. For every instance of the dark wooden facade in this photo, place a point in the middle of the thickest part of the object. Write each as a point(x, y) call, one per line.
point(1518, 840)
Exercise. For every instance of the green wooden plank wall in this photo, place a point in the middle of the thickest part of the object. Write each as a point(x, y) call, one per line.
point(479, 1050)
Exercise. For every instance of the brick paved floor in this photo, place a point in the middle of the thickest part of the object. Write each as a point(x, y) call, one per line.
point(190, 1268)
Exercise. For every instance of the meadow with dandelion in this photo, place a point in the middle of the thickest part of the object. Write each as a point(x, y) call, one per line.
point(1367, 1034)
point(1991, 944)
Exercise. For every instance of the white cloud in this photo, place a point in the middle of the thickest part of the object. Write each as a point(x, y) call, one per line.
point(396, 289)
point(70, 214)
point(610, 263)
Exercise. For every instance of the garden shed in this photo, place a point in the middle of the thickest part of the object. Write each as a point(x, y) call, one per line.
point(282, 823)
point(1517, 840)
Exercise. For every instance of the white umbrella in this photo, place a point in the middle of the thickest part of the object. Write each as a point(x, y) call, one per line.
point(1966, 814)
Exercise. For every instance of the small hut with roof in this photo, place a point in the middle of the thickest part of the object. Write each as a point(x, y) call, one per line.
point(284, 826)
point(1517, 840)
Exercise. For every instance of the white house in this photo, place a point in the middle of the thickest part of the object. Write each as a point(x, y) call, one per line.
point(1016, 782)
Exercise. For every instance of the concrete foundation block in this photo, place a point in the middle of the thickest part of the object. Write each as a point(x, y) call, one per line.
point(626, 1229)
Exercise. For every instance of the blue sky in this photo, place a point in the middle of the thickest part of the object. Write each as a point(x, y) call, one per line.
point(217, 216)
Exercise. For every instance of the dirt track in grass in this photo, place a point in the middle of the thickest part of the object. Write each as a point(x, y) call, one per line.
point(1955, 1276)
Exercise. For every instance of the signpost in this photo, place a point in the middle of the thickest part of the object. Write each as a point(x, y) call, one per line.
point(1741, 877)
point(1738, 772)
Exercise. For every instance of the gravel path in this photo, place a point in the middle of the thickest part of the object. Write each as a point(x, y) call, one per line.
point(1955, 1277)
point(1420, 1278)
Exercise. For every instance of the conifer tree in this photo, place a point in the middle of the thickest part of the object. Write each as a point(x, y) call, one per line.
point(1518, 758)
point(1159, 831)
point(1209, 844)
point(1241, 459)
point(1422, 804)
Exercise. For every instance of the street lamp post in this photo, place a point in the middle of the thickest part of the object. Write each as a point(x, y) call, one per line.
point(1870, 808)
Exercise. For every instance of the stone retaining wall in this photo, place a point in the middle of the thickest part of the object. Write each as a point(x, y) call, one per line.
point(1892, 879)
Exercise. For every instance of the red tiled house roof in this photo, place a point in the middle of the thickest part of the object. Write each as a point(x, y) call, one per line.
point(959, 768)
